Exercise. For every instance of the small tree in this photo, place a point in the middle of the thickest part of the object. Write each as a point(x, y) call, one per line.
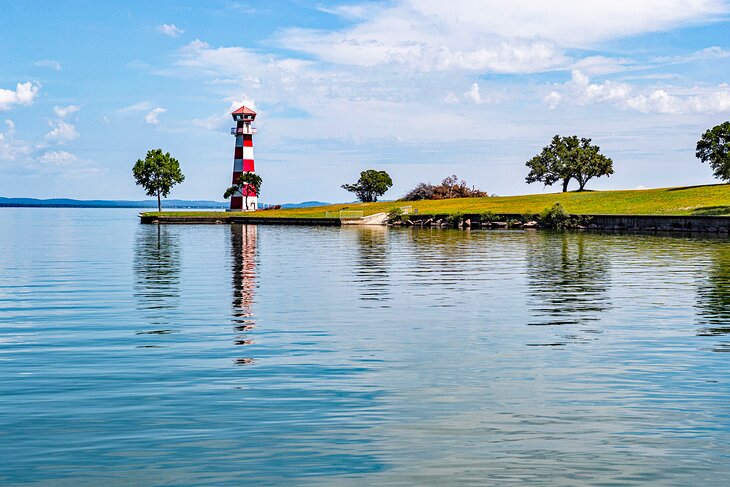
point(568, 158)
point(157, 174)
point(714, 148)
point(249, 184)
point(371, 184)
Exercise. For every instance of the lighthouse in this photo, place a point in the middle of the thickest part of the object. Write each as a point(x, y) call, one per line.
point(243, 158)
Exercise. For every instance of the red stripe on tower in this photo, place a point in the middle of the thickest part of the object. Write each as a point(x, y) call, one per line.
point(246, 199)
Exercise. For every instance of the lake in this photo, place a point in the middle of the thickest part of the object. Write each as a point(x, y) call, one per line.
point(278, 355)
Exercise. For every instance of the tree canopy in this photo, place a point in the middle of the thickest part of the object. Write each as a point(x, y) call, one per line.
point(714, 149)
point(568, 158)
point(249, 184)
point(371, 184)
point(157, 174)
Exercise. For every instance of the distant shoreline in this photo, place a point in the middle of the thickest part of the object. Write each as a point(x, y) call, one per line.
point(167, 207)
point(143, 204)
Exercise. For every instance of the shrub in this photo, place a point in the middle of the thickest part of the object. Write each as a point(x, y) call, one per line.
point(422, 191)
point(454, 218)
point(395, 214)
point(488, 216)
point(528, 217)
point(450, 187)
point(555, 217)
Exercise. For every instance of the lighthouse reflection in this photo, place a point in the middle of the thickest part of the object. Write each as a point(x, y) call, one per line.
point(243, 265)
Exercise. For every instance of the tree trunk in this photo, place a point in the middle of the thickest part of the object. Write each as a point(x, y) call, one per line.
point(159, 203)
point(565, 184)
point(583, 183)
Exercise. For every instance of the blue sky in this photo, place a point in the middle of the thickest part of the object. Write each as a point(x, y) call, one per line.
point(409, 87)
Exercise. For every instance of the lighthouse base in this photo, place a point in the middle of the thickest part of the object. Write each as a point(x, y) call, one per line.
point(238, 203)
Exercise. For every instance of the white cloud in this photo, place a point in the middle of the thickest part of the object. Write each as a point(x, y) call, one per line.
point(473, 94)
point(63, 112)
point(426, 54)
point(137, 107)
point(600, 65)
point(215, 122)
point(236, 103)
point(10, 148)
point(451, 98)
point(247, 64)
point(24, 94)
point(58, 158)
point(151, 117)
point(581, 91)
point(49, 63)
point(553, 99)
point(570, 23)
point(360, 11)
point(65, 164)
point(170, 30)
point(714, 52)
point(488, 35)
point(62, 132)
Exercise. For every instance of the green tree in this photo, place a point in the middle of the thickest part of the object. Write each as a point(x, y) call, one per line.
point(157, 174)
point(249, 184)
point(714, 148)
point(568, 158)
point(371, 184)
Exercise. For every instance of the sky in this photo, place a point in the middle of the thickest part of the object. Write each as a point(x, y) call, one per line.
point(419, 88)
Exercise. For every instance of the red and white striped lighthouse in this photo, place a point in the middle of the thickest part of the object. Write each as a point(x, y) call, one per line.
point(243, 158)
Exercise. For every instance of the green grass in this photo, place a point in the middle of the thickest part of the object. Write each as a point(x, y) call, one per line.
point(690, 200)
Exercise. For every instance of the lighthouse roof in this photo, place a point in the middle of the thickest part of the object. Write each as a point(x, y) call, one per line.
point(243, 111)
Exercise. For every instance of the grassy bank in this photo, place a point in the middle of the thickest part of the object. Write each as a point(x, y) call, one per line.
point(691, 200)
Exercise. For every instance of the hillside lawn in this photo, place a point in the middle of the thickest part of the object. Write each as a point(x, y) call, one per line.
point(690, 200)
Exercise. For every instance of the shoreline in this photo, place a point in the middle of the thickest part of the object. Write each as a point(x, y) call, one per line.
point(643, 223)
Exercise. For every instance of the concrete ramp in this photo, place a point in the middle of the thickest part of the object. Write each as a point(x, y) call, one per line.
point(375, 219)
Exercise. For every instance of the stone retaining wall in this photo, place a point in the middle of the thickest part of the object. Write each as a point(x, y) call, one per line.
point(644, 223)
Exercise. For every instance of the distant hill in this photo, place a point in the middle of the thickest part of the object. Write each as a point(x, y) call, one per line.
point(71, 203)
point(305, 204)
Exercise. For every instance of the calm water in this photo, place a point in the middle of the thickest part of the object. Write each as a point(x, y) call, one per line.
point(219, 355)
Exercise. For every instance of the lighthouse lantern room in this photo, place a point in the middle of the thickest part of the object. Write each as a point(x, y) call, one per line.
point(243, 158)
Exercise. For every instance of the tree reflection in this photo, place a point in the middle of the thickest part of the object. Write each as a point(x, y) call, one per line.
point(243, 265)
point(568, 277)
point(157, 275)
point(713, 297)
point(372, 267)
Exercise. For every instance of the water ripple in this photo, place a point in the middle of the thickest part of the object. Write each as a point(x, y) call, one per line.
point(218, 355)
